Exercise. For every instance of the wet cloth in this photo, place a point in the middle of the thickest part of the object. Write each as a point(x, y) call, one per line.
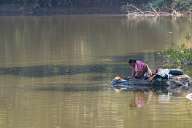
point(168, 73)
point(164, 73)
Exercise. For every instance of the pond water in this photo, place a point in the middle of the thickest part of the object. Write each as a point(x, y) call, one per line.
point(55, 72)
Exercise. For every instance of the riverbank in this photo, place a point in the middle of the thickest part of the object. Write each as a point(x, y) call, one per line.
point(16, 10)
point(31, 10)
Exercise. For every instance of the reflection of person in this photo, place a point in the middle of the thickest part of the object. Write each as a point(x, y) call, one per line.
point(139, 69)
point(139, 100)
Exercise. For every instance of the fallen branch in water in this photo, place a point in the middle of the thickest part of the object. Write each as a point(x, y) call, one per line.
point(136, 8)
point(132, 10)
point(151, 6)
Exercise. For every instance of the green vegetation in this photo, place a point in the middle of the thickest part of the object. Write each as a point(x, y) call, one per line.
point(184, 4)
point(173, 4)
point(179, 55)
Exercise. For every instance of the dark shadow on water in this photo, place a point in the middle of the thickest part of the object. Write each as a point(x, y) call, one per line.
point(118, 65)
point(54, 70)
point(72, 88)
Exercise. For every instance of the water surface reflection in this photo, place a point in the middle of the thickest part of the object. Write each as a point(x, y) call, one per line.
point(55, 72)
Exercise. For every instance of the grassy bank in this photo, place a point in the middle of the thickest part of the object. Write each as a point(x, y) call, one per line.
point(180, 55)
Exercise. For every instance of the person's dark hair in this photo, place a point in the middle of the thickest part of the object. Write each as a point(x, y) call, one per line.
point(132, 61)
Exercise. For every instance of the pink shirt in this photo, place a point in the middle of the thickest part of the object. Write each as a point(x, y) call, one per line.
point(139, 66)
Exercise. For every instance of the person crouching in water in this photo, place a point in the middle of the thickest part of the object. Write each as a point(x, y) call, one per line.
point(140, 70)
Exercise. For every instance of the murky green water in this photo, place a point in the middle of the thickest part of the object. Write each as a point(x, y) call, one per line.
point(55, 72)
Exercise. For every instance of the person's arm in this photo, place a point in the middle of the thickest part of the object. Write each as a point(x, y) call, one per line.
point(149, 70)
point(133, 73)
point(151, 77)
